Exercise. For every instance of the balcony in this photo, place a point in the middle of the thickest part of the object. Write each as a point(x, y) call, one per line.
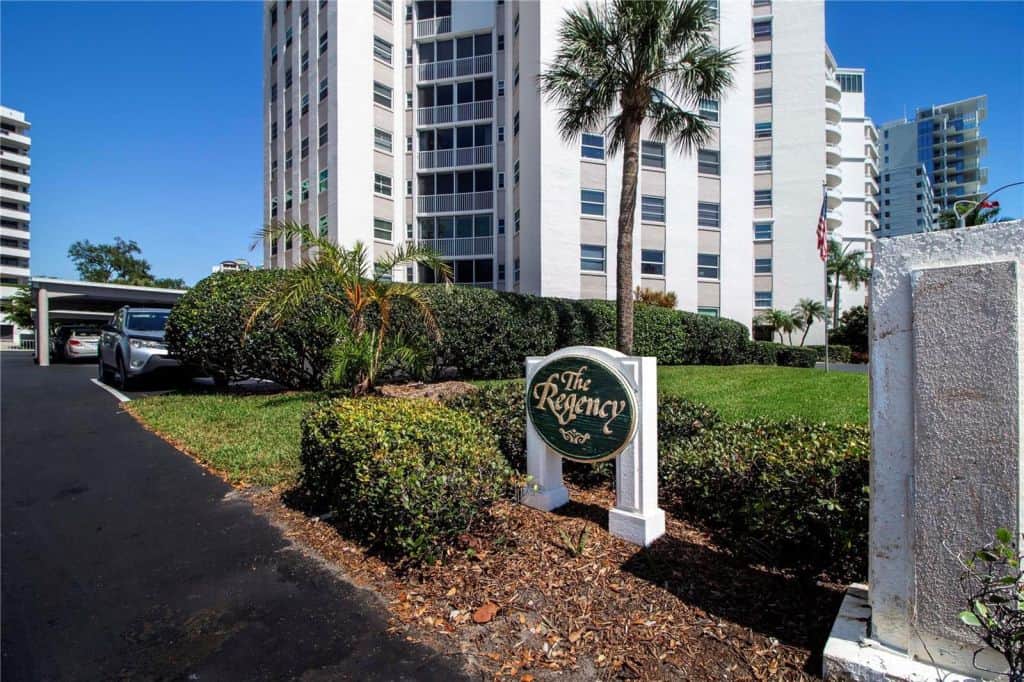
point(17, 159)
point(14, 214)
point(833, 133)
point(833, 154)
point(14, 271)
point(455, 203)
point(14, 232)
point(18, 178)
point(15, 251)
point(432, 27)
point(455, 68)
point(833, 112)
point(450, 158)
point(833, 177)
point(17, 140)
point(832, 219)
point(834, 197)
point(453, 247)
point(455, 113)
point(832, 90)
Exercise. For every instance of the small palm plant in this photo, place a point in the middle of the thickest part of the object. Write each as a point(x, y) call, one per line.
point(364, 298)
point(781, 323)
point(807, 311)
point(622, 64)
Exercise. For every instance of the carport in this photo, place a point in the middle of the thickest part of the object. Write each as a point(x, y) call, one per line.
point(64, 300)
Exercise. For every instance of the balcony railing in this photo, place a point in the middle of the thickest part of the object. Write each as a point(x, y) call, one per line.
point(431, 27)
point(449, 158)
point(461, 246)
point(452, 68)
point(446, 203)
point(453, 113)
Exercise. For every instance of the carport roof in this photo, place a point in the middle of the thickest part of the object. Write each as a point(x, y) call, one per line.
point(69, 295)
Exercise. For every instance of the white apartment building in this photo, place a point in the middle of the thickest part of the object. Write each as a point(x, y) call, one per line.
point(909, 204)
point(14, 209)
point(388, 121)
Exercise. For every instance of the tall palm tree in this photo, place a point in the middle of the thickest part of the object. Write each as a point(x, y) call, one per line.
point(988, 212)
point(781, 323)
point(844, 266)
point(364, 295)
point(807, 311)
point(621, 64)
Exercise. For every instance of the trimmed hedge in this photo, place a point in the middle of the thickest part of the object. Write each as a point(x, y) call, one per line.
point(836, 352)
point(795, 356)
point(206, 331)
point(406, 476)
point(789, 492)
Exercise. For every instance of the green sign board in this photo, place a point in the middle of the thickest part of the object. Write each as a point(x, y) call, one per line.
point(581, 408)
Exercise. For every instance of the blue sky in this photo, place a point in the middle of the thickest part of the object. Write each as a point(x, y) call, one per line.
point(147, 116)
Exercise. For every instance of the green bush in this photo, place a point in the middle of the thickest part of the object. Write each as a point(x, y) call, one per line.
point(789, 492)
point(762, 352)
point(852, 330)
point(406, 476)
point(836, 352)
point(795, 356)
point(206, 330)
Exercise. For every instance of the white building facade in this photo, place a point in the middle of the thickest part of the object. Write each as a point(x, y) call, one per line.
point(388, 122)
point(15, 213)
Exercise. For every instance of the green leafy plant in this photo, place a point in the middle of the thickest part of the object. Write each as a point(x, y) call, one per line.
point(837, 352)
point(780, 322)
point(406, 476)
point(622, 65)
point(364, 348)
point(843, 266)
point(665, 299)
point(806, 311)
point(575, 543)
point(852, 329)
point(993, 582)
point(796, 356)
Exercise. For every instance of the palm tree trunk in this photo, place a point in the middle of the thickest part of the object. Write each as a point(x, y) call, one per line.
point(807, 328)
point(624, 246)
point(835, 304)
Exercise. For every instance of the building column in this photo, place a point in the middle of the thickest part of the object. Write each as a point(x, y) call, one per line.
point(43, 327)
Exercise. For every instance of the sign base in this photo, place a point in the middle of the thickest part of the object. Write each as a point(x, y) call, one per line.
point(545, 500)
point(640, 529)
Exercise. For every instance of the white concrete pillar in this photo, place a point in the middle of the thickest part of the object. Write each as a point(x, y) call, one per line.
point(545, 489)
point(43, 327)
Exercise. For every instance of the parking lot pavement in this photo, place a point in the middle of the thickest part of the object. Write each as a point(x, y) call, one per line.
point(122, 558)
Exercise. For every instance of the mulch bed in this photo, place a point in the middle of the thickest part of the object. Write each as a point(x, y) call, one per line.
point(531, 595)
point(442, 390)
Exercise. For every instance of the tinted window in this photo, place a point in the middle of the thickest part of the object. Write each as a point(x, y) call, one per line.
point(153, 321)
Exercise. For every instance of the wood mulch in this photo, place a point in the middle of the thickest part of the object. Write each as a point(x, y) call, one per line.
point(530, 595)
point(442, 390)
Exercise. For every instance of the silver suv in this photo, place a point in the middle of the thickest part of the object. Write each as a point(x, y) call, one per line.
point(132, 344)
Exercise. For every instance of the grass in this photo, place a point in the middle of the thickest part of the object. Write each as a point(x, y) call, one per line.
point(251, 440)
point(254, 439)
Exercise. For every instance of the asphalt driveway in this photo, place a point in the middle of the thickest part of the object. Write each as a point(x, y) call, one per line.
point(122, 558)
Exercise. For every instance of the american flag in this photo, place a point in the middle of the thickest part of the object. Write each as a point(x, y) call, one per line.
point(823, 230)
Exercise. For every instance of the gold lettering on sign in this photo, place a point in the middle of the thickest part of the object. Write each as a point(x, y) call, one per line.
point(563, 394)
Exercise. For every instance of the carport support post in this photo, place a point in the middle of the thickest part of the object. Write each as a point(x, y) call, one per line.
point(43, 327)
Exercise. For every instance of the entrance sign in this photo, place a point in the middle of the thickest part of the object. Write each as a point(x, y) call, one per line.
point(581, 408)
point(590, 404)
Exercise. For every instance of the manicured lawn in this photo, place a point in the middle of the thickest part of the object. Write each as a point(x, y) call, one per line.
point(251, 439)
point(746, 391)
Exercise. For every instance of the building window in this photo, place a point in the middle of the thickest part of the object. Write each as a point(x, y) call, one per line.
point(515, 74)
point(501, 133)
point(382, 229)
point(323, 42)
point(408, 56)
point(713, 9)
point(287, 78)
point(763, 130)
point(652, 262)
point(592, 202)
point(305, 18)
point(288, 37)
point(273, 207)
point(273, 54)
point(591, 258)
point(323, 135)
point(408, 100)
point(501, 181)
point(304, 194)
point(382, 184)
point(273, 91)
point(762, 266)
point(762, 95)
point(273, 248)
point(408, 17)
point(708, 109)
point(382, 94)
point(515, 270)
point(288, 159)
point(762, 28)
point(304, 147)
point(305, 105)
point(762, 163)
point(515, 172)
point(652, 154)
point(323, 227)
point(850, 82)
point(501, 41)
point(592, 146)
point(408, 188)
point(408, 143)
point(710, 312)
point(287, 200)
point(382, 139)
point(273, 15)
point(515, 124)
point(762, 198)
point(273, 130)
point(515, 221)
point(762, 231)
point(322, 187)
point(323, 89)
point(501, 272)
point(762, 299)
point(707, 265)
point(408, 235)
point(709, 162)
point(501, 88)
point(652, 209)
point(709, 214)
point(501, 226)
point(385, 8)
point(382, 50)
point(516, 24)
point(305, 61)
point(762, 62)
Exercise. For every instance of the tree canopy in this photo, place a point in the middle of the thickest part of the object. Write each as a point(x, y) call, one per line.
point(117, 263)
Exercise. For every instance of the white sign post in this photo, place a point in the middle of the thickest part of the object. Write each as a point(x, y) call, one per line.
point(576, 391)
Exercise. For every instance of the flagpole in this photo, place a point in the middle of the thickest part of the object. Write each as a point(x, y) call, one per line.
point(827, 317)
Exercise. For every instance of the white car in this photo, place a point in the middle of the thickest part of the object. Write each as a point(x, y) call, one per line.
point(73, 342)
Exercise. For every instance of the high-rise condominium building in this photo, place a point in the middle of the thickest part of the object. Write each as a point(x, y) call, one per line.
point(393, 121)
point(14, 209)
point(946, 140)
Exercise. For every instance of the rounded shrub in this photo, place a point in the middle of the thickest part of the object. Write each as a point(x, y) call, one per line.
point(795, 356)
point(790, 492)
point(206, 331)
point(836, 352)
point(406, 476)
